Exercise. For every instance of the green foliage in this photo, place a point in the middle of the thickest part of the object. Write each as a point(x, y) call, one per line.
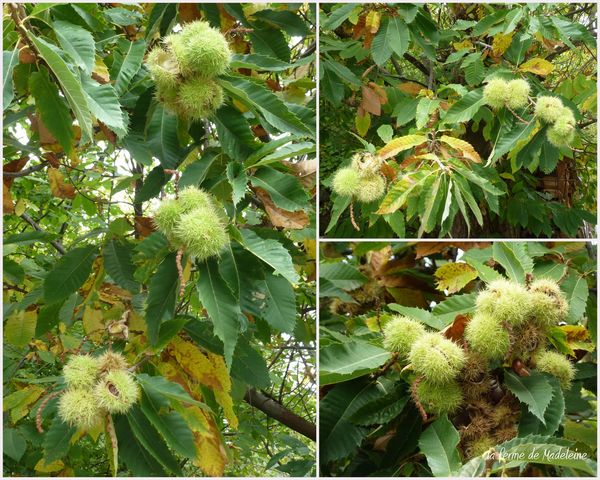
point(517, 115)
point(92, 142)
point(472, 384)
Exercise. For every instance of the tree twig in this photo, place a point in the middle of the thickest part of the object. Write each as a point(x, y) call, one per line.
point(55, 243)
point(24, 173)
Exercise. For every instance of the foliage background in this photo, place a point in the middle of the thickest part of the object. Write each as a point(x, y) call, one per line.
point(388, 71)
point(88, 152)
point(368, 424)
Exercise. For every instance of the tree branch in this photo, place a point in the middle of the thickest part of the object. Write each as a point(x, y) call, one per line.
point(24, 173)
point(55, 243)
point(278, 412)
point(417, 63)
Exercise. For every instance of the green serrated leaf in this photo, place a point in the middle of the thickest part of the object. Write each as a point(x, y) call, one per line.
point(71, 86)
point(132, 62)
point(78, 43)
point(117, 263)
point(438, 443)
point(340, 362)
point(530, 424)
point(272, 253)
point(162, 293)
point(53, 110)
point(222, 307)
point(535, 391)
point(9, 60)
point(151, 441)
point(69, 273)
point(57, 440)
point(255, 95)
point(514, 258)
point(466, 108)
point(171, 425)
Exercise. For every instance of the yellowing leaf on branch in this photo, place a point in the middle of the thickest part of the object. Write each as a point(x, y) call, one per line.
point(362, 122)
point(453, 277)
point(209, 370)
point(372, 21)
point(400, 144)
point(467, 150)
point(501, 43)
point(465, 44)
point(211, 455)
point(52, 467)
point(19, 402)
point(537, 66)
point(93, 323)
point(58, 187)
point(19, 328)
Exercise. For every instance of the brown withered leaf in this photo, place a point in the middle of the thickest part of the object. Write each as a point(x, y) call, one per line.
point(456, 330)
point(113, 294)
point(279, 217)
point(409, 297)
point(380, 91)
point(188, 12)
point(368, 39)
point(381, 443)
point(379, 259)
point(410, 160)
point(388, 171)
point(144, 226)
point(306, 171)
point(58, 187)
point(359, 28)
point(26, 56)
point(411, 88)
point(274, 85)
point(14, 166)
point(52, 159)
point(371, 102)
point(398, 264)
point(108, 133)
point(8, 205)
point(424, 249)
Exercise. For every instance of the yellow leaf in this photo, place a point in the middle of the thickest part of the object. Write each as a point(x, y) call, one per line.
point(55, 466)
point(211, 456)
point(465, 44)
point(19, 328)
point(453, 277)
point(20, 206)
point(538, 66)
point(372, 21)
point(400, 144)
point(93, 323)
point(466, 148)
point(501, 43)
point(18, 402)
point(209, 370)
point(589, 105)
point(101, 71)
point(362, 123)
